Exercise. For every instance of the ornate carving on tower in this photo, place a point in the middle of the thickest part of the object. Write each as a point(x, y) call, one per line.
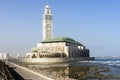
point(47, 23)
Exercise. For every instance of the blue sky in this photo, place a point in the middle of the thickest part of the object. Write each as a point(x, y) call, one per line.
point(94, 23)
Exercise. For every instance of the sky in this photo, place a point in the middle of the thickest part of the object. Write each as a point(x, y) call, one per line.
point(94, 23)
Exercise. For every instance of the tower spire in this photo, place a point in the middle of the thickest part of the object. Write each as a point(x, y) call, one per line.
point(47, 23)
point(47, 9)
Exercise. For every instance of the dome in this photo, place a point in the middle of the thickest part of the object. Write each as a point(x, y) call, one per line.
point(61, 39)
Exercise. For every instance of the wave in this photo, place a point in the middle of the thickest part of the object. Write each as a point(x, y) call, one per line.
point(104, 62)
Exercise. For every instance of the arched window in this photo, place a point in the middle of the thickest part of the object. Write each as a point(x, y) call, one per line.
point(33, 56)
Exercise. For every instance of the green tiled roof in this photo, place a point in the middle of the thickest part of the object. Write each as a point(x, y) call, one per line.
point(61, 39)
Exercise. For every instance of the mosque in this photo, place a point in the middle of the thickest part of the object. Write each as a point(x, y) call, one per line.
point(59, 47)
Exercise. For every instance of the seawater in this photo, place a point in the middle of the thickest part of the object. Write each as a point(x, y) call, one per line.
point(100, 69)
point(107, 61)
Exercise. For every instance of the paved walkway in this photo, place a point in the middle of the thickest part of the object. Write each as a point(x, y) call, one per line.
point(27, 74)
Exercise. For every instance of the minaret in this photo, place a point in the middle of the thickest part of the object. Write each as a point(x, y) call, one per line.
point(47, 23)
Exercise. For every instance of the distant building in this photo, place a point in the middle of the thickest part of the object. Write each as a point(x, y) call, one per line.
point(56, 47)
point(4, 56)
point(20, 56)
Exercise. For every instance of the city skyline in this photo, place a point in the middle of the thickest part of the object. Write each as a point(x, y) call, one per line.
point(93, 23)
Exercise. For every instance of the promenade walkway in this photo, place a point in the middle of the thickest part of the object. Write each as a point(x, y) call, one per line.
point(26, 74)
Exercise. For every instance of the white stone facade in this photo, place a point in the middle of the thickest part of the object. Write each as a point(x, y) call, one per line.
point(63, 49)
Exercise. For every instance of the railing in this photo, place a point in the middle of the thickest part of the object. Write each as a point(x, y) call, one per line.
point(4, 72)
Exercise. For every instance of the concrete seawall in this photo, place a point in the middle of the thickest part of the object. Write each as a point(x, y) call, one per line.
point(53, 60)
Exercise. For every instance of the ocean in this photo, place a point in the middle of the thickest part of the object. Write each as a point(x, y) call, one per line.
point(108, 61)
point(111, 64)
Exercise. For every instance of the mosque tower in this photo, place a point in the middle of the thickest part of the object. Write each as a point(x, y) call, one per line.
point(47, 23)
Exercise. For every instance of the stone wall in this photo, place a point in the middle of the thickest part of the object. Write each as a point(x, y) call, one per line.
point(53, 60)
